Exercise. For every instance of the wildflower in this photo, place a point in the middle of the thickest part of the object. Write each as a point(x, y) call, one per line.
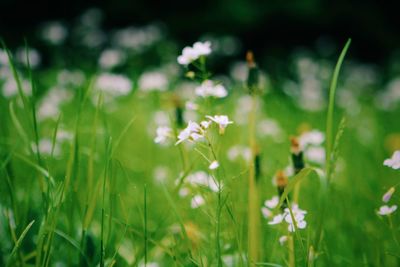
point(190, 54)
point(191, 106)
point(386, 197)
point(237, 152)
point(110, 58)
point(153, 81)
point(314, 137)
point(163, 134)
point(197, 201)
point(222, 121)
point(315, 154)
point(394, 161)
point(192, 132)
point(113, 84)
point(272, 203)
point(266, 212)
point(54, 32)
point(214, 165)
point(31, 54)
point(386, 210)
point(208, 88)
point(283, 239)
point(277, 219)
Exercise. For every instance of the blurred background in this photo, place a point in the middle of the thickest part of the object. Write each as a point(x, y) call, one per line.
point(272, 28)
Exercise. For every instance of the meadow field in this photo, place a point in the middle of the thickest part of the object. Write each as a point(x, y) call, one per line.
point(126, 148)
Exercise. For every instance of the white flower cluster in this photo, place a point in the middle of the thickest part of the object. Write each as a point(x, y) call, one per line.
point(208, 88)
point(153, 81)
point(113, 84)
point(196, 180)
point(311, 143)
point(394, 161)
point(296, 213)
point(195, 131)
point(190, 54)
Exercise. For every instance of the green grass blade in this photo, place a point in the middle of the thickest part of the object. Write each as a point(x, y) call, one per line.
point(19, 242)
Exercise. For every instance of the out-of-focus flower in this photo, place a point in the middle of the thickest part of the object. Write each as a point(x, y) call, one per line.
point(315, 154)
point(10, 88)
point(237, 152)
point(153, 81)
point(214, 165)
point(197, 201)
point(70, 77)
point(33, 56)
point(111, 58)
point(222, 121)
point(386, 210)
point(49, 106)
point(272, 203)
point(113, 84)
point(164, 133)
point(208, 88)
point(313, 137)
point(394, 161)
point(54, 32)
point(283, 239)
point(190, 54)
point(296, 213)
point(388, 195)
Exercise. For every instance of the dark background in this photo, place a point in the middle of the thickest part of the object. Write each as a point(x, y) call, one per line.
point(271, 26)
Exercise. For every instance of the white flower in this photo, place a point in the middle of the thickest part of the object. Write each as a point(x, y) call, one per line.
point(266, 212)
point(33, 57)
point(214, 165)
point(54, 32)
point(190, 54)
point(237, 152)
point(283, 239)
point(386, 210)
point(163, 134)
point(191, 106)
point(110, 58)
point(192, 132)
point(49, 106)
point(315, 154)
point(197, 201)
point(222, 121)
point(153, 81)
point(208, 88)
point(117, 85)
point(394, 161)
point(272, 203)
point(277, 219)
point(10, 88)
point(314, 137)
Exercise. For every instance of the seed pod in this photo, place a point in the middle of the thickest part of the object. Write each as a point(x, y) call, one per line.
point(257, 164)
point(253, 74)
point(297, 155)
point(178, 111)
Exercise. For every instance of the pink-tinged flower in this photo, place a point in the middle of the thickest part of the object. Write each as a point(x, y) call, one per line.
point(192, 132)
point(283, 239)
point(394, 161)
point(163, 133)
point(388, 195)
point(386, 210)
point(208, 88)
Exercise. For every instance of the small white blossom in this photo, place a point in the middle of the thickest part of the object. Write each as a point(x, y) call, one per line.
point(314, 138)
point(315, 154)
point(272, 203)
point(394, 161)
point(283, 239)
point(277, 219)
point(190, 54)
point(153, 81)
point(117, 85)
point(386, 210)
point(110, 58)
point(163, 134)
point(214, 165)
point(191, 106)
point(33, 57)
point(222, 121)
point(208, 88)
point(197, 201)
point(54, 32)
point(192, 132)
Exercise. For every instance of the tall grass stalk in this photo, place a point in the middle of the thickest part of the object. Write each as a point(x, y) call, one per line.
point(253, 193)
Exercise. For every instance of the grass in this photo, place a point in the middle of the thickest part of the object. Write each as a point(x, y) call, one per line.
point(112, 197)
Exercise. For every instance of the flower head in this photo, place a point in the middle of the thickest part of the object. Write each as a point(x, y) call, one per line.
point(208, 88)
point(192, 132)
point(214, 165)
point(163, 134)
point(394, 161)
point(190, 54)
point(222, 121)
point(386, 210)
